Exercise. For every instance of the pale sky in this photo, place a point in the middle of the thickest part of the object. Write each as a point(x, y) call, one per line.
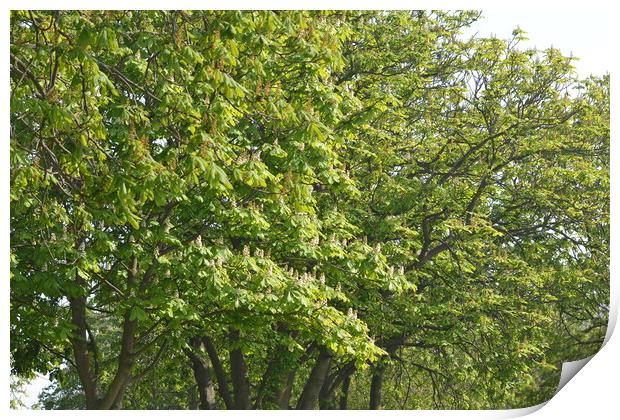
point(582, 32)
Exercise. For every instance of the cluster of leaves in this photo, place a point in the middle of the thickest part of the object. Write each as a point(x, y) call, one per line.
point(300, 207)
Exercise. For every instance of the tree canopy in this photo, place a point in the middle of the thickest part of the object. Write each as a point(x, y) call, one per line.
point(227, 209)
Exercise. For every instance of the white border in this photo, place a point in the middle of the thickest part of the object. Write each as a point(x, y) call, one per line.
point(297, 4)
point(593, 393)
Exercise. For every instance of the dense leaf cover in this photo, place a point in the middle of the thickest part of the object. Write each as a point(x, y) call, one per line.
point(301, 210)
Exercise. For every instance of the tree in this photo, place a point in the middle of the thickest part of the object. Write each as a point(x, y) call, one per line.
point(297, 209)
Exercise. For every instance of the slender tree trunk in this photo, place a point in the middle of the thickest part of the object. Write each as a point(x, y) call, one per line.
point(205, 385)
point(118, 402)
point(375, 387)
point(310, 394)
point(126, 355)
point(284, 396)
point(202, 374)
point(192, 398)
point(80, 351)
point(327, 396)
point(125, 361)
point(220, 374)
point(239, 374)
point(346, 383)
point(273, 380)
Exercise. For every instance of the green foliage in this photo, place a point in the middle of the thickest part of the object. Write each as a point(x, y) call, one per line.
point(286, 188)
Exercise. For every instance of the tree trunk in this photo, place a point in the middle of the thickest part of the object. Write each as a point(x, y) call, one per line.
point(280, 370)
point(284, 396)
point(375, 387)
point(80, 351)
point(346, 382)
point(310, 394)
point(202, 374)
point(239, 374)
point(274, 379)
point(118, 402)
point(126, 355)
point(220, 375)
point(192, 399)
point(125, 361)
point(327, 396)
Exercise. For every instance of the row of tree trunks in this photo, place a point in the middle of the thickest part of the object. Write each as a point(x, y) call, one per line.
point(273, 392)
point(320, 386)
point(275, 389)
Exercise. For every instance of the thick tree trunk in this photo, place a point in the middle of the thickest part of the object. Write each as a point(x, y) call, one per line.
point(239, 374)
point(375, 388)
point(310, 394)
point(202, 374)
point(220, 374)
